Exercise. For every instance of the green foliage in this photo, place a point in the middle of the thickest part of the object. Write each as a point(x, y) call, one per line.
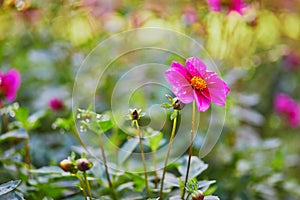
point(8, 187)
point(257, 52)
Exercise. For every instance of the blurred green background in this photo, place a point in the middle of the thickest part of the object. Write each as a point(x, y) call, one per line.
point(257, 53)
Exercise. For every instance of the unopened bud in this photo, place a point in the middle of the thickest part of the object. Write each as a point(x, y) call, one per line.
point(198, 196)
point(177, 105)
point(83, 164)
point(68, 166)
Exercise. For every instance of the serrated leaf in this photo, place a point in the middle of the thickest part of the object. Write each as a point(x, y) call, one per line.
point(15, 134)
point(127, 149)
point(9, 186)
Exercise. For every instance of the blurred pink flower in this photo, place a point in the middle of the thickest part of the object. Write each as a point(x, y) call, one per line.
point(234, 5)
point(56, 104)
point(98, 8)
point(9, 85)
point(292, 60)
point(214, 5)
point(189, 15)
point(288, 107)
point(196, 83)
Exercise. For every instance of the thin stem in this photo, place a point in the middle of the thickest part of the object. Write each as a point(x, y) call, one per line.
point(155, 167)
point(5, 122)
point(143, 156)
point(27, 155)
point(167, 157)
point(188, 196)
point(87, 185)
point(106, 168)
point(191, 150)
point(82, 186)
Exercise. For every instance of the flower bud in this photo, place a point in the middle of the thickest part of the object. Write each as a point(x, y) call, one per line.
point(68, 166)
point(197, 196)
point(177, 105)
point(134, 115)
point(83, 164)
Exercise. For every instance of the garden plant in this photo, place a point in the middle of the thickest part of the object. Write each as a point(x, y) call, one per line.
point(154, 100)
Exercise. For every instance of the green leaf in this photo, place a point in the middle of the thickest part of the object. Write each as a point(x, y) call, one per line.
point(127, 149)
point(105, 125)
point(73, 155)
point(15, 134)
point(28, 122)
point(169, 97)
point(21, 114)
point(8, 187)
point(210, 190)
point(166, 105)
point(63, 123)
point(202, 184)
point(174, 114)
point(197, 167)
point(12, 196)
point(48, 170)
point(154, 141)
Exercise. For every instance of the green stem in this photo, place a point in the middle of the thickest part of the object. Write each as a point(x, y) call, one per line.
point(143, 157)
point(191, 150)
point(155, 171)
point(167, 157)
point(87, 185)
point(27, 155)
point(5, 122)
point(106, 169)
point(82, 186)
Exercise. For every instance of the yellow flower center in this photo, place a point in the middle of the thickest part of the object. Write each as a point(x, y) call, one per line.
point(198, 83)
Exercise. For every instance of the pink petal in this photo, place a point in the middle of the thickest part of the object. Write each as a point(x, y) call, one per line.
point(202, 102)
point(283, 103)
point(185, 94)
point(181, 69)
point(217, 88)
point(10, 84)
point(237, 6)
point(180, 85)
point(214, 5)
point(195, 66)
point(176, 78)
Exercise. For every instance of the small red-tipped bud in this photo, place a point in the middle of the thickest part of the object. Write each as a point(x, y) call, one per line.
point(198, 196)
point(68, 166)
point(177, 105)
point(83, 164)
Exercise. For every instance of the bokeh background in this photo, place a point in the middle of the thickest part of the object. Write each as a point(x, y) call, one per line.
point(257, 52)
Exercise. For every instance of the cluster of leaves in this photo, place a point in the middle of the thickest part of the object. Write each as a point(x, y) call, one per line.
point(48, 40)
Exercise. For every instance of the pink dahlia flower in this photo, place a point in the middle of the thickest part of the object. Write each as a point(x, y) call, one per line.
point(234, 5)
point(289, 108)
point(9, 85)
point(194, 82)
point(56, 104)
point(214, 5)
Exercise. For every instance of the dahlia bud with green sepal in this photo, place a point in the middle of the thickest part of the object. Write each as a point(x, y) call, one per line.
point(83, 164)
point(197, 196)
point(68, 166)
